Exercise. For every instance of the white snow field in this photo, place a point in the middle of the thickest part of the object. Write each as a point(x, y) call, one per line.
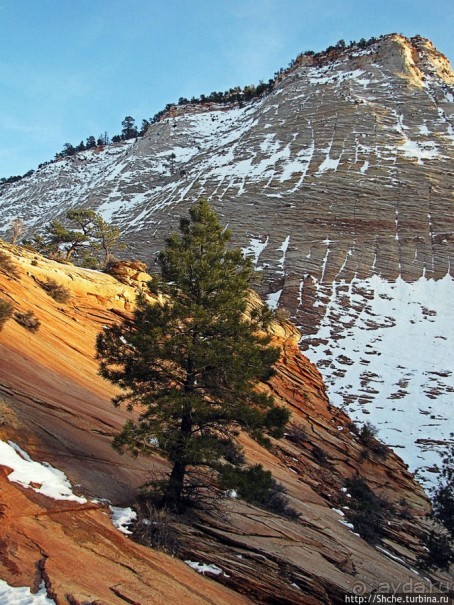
point(411, 401)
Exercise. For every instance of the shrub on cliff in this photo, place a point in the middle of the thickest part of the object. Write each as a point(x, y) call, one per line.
point(6, 311)
point(257, 486)
point(440, 551)
point(27, 320)
point(367, 435)
point(367, 512)
point(55, 290)
point(153, 528)
point(440, 540)
point(443, 494)
point(7, 265)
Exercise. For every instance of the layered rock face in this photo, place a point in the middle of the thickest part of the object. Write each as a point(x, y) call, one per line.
point(57, 409)
point(79, 556)
point(339, 185)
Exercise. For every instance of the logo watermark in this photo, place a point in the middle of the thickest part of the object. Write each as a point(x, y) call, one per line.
point(407, 592)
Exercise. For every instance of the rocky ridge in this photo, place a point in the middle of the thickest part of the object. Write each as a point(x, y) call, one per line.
point(339, 185)
point(58, 410)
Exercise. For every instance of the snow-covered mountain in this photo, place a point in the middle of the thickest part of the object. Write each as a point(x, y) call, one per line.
point(339, 185)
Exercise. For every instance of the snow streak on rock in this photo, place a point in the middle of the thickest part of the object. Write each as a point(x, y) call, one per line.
point(342, 174)
point(385, 349)
point(122, 518)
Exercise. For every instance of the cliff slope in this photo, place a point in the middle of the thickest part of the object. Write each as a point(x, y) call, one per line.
point(339, 185)
point(57, 410)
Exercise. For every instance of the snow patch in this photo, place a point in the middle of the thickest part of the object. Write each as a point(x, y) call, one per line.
point(273, 299)
point(347, 524)
point(122, 517)
point(364, 168)
point(204, 568)
point(420, 151)
point(23, 596)
point(283, 248)
point(329, 75)
point(255, 248)
point(328, 164)
point(41, 477)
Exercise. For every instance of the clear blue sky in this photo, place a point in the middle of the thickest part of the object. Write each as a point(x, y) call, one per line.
point(74, 68)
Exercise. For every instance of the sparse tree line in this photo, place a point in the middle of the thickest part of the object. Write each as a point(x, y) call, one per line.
point(129, 131)
point(234, 95)
point(14, 179)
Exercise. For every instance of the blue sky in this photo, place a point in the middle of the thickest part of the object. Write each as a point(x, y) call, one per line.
point(71, 69)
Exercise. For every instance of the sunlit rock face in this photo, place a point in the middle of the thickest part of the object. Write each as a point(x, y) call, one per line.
point(57, 468)
point(339, 185)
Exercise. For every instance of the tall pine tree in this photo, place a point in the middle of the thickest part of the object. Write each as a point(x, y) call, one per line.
point(190, 365)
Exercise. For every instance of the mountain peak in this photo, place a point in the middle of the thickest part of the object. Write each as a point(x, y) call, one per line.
point(414, 58)
point(338, 183)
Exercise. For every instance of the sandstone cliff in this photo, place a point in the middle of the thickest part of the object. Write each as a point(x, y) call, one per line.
point(339, 185)
point(57, 409)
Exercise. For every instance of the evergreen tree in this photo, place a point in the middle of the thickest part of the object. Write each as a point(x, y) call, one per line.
point(144, 127)
point(54, 240)
point(440, 541)
point(443, 495)
point(68, 150)
point(129, 130)
point(93, 230)
point(190, 364)
point(86, 237)
point(106, 237)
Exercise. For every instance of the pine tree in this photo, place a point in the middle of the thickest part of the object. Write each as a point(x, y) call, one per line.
point(144, 127)
point(129, 129)
point(190, 364)
point(86, 238)
point(54, 240)
point(91, 142)
point(68, 150)
point(443, 494)
point(93, 231)
point(439, 542)
point(106, 239)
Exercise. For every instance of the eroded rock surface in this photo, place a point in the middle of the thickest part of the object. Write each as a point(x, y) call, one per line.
point(84, 560)
point(57, 409)
point(341, 175)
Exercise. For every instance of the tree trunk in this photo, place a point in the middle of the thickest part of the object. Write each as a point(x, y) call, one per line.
point(172, 496)
point(173, 493)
